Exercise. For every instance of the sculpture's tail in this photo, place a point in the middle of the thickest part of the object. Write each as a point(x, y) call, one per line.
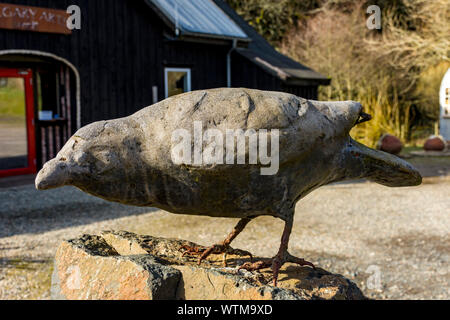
point(378, 166)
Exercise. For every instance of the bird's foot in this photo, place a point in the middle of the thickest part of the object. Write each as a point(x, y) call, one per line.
point(192, 250)
point(275, 263)
point(204, 252)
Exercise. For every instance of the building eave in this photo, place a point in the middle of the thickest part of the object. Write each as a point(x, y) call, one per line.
point(290, 76)
point(181, 34)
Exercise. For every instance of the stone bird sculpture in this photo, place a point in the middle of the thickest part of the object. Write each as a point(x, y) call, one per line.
point(131, 160)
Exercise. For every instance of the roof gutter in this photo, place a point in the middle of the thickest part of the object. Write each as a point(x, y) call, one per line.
point(234, 46)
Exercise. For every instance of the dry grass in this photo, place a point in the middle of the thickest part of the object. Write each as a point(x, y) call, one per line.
point(392, 72)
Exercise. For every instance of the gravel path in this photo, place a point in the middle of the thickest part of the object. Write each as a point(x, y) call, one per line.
point(394, 243)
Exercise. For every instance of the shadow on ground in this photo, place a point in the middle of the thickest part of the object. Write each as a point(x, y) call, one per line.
point(25, 210)
point(22, 263)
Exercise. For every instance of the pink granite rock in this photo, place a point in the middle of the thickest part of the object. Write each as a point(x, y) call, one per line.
point(434, 143)
point(390, 144)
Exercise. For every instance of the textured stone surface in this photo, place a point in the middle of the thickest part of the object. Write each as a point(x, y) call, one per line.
point(129, 160)
point(123, 265)
point(89, 269)
point(390, 144)
point(434, 143)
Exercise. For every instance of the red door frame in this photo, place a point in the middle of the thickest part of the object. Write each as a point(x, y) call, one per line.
point(27, 75)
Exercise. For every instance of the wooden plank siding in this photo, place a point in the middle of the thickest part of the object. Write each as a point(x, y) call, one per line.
point(121, 52)
point(247, 74)
point(114, 53)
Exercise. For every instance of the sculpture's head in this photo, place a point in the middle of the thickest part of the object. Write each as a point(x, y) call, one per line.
point(339, 117)
point(354, 160)
point(95, 159)
point(358, 161)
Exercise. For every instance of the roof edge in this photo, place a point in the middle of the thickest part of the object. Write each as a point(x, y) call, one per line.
point(171, 24)
point(285, 75)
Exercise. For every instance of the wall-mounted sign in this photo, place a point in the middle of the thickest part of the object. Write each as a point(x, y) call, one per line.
point(36, 19)
point(444, 100)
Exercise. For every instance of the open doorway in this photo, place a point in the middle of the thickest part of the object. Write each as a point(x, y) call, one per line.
point(55, 114)
point(39, 111)
point(17, 132)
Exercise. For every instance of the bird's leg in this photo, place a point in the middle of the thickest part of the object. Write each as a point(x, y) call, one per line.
point(223, 247)
point(281, 257)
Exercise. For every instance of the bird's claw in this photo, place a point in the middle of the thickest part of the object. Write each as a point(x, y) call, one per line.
point(255, 266)
point(192, 250)
point(204, 252)
point(300, 262)
point(275, 263)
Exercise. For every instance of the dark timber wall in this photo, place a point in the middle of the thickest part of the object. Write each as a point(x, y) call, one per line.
point(249, 75)
point(120, 53)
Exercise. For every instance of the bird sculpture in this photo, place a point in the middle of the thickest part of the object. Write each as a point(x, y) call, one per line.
point(207, 153)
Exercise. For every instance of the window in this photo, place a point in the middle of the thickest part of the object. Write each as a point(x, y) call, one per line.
point(177, 80)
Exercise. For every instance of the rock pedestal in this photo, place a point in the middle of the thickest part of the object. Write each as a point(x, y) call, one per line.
point(125, 266)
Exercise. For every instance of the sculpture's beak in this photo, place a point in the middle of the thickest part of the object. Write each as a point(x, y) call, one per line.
point(382, 167)
point(54, 174)
point(363, 117)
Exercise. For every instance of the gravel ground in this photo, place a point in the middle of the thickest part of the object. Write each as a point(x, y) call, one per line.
point(393, 243)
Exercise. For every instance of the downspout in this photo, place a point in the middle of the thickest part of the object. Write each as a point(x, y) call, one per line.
point(177, 27)
point(229, 63)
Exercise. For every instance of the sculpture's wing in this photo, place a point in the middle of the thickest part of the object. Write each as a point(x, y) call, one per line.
point(302, 124)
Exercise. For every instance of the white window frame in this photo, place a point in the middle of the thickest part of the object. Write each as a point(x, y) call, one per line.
point(166, 78)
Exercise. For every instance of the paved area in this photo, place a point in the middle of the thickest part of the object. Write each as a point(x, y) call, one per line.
point(431, 166)
point(13, 145)
point(13, 140)
point(394, 243)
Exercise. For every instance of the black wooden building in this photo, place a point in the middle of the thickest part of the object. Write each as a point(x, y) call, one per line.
point(127, 54)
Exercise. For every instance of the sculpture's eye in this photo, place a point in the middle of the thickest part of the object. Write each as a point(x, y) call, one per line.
point(106, 159)
point(101, 161)
point(80, 157)
point(363, 117)
point(104, 156)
